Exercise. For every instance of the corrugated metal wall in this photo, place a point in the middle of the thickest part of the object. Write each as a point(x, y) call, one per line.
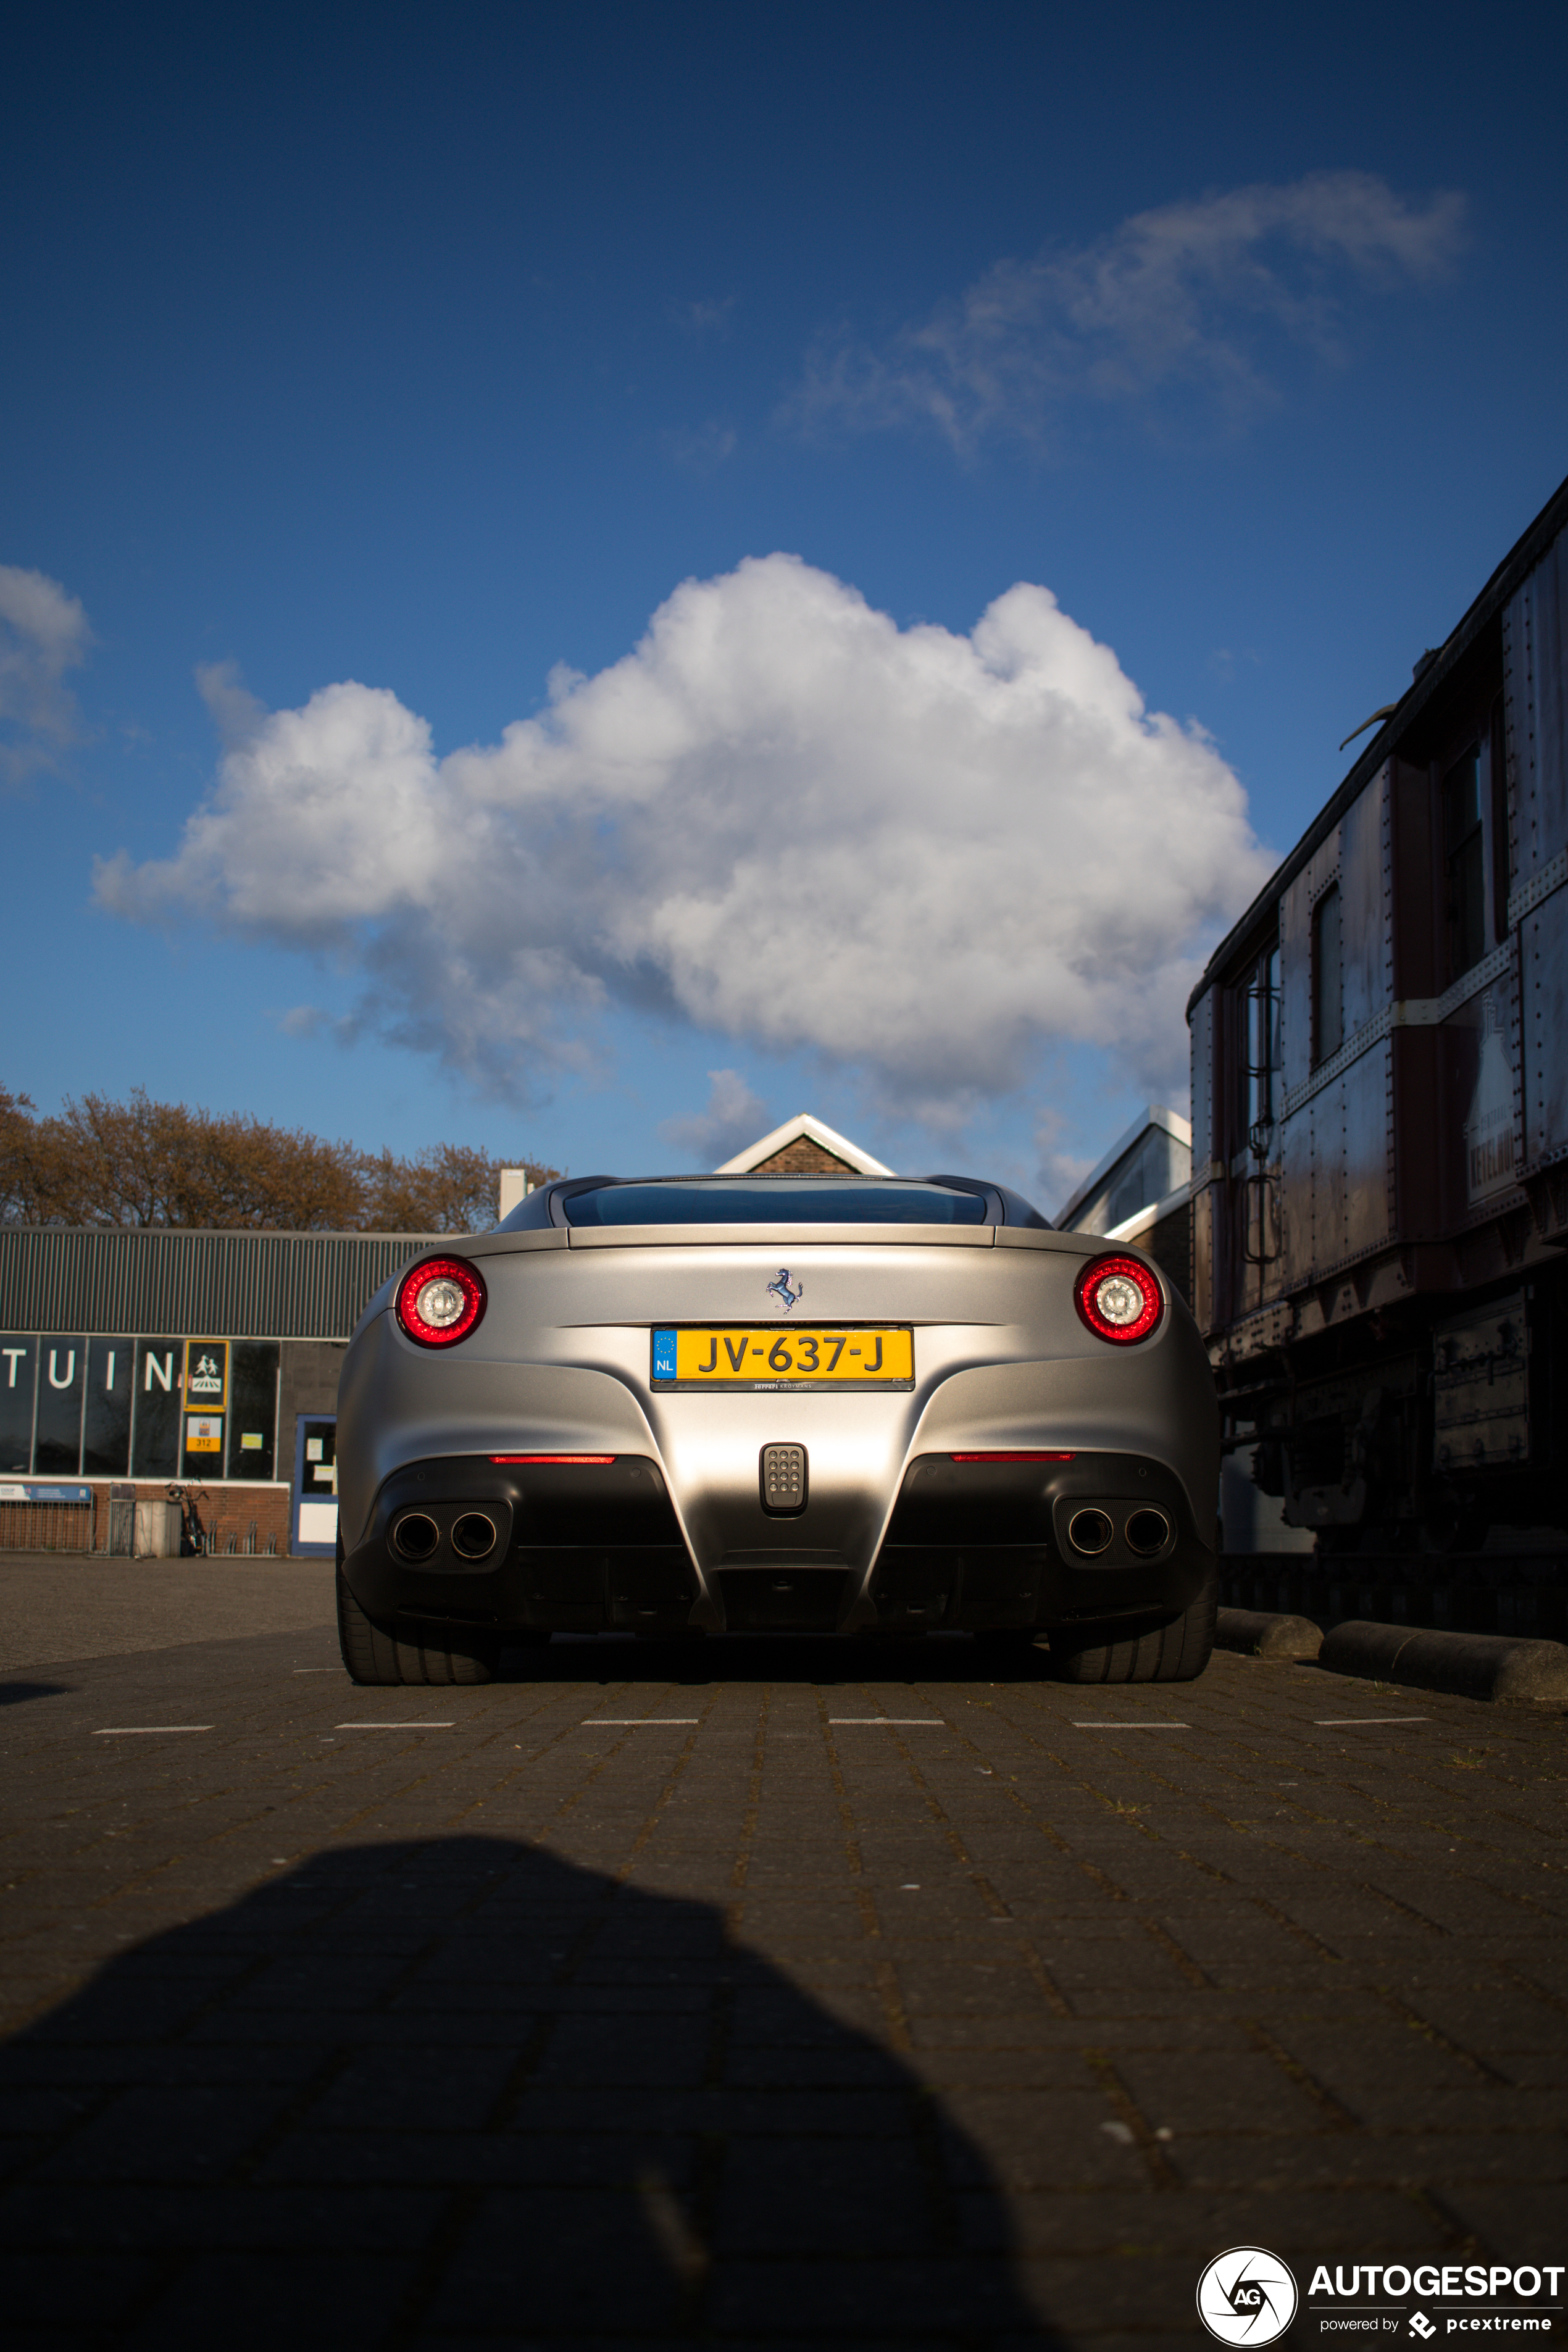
point(265, 1285)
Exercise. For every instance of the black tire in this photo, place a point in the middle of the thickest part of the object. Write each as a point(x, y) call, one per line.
point(1177, 1650)
point(373, 1653)
point(370, 1652)
point(448, 1654)
point(414, 1664)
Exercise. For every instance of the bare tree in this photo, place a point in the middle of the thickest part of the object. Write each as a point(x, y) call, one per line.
point(141, 1162)
point(450, 1189)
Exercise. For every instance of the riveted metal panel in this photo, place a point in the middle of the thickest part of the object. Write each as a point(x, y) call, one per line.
point(1535, 655)
point(1205, 1207)
point(1296, 980)
point(1416, 1091)
point(1297, 1172)
point(1296, 959)
point(1296, 1167)
point(1543, 1006)
point(1327, 1112)
point(1535, 641)
point(1204, 1195)
point(267, 1285)
point(1203, 1078)
point(1364, 1092)
point(1363, 908)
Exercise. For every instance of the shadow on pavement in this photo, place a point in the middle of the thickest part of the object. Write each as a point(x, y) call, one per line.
point(461, 2091)
point(11, 1693)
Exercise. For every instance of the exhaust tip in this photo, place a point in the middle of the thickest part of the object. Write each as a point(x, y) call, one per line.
point(1148, 1532)
point(415, 1535)
point(474, 1535)
point(1090, 1532)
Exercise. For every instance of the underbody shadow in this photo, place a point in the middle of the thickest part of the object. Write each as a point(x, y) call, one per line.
point(817, 1658)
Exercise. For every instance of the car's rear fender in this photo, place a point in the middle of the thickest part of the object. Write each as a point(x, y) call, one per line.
point(396, 1405)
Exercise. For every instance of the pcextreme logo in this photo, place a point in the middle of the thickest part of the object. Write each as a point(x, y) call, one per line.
point(1246, 2295)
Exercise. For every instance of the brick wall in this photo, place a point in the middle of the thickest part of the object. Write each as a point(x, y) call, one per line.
point(227, 1509)
point(802, 1158)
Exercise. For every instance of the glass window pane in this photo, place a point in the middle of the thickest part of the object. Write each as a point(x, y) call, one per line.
point(106, 1427)
point(1462, 800)
point(1261, 1043)
point(776, 1199)
point(62, 1383)
point(253, 1411)
point(1328, 996)
point(18, 1370)
point(155, 1440)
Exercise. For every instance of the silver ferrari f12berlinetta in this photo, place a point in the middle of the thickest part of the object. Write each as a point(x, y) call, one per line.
point(743, 1404)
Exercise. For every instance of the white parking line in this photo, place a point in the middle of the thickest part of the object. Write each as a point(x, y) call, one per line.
point(421, 1723)
point(130, 1730)
point(905, 1722)
point(1340, 1722)
point(624, 1722)
point(316, 1670)
point(1149, 1723)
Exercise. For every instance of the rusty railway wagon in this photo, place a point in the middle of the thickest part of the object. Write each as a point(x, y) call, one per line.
point(1380, 1114)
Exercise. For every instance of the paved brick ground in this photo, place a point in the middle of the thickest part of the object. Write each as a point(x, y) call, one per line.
point(56, 1607)
point(863, 1997)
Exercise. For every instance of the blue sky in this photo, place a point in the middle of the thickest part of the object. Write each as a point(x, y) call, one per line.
point(426, 358)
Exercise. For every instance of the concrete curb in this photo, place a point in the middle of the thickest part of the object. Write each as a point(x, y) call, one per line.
point(1262, 1635)
point(1470, 1666)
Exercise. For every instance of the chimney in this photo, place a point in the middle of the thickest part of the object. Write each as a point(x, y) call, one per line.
point(515, 1186)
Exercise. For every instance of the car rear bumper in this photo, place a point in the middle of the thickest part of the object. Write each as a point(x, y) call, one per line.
point(595, 1547)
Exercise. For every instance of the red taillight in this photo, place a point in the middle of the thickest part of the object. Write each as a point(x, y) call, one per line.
point(1118, 1299)
point(599, 1460)
point(440, 1301)
point(1026, 1456)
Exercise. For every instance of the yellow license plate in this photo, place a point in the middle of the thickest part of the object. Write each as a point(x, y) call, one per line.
point(740, 1356)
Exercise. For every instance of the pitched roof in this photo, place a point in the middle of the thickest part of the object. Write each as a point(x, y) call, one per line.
point(804, 1146)
point(1155, 1116)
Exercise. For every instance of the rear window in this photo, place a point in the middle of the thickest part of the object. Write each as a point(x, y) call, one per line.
point(775, 1200)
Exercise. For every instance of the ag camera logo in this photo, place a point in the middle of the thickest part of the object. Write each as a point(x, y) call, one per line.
point(1246, 2295)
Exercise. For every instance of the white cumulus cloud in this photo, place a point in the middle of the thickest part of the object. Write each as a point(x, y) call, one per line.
point(921, 853)
point(1190, 294)
point(43, 633)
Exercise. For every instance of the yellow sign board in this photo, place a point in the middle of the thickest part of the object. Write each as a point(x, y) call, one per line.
point(206, 1375)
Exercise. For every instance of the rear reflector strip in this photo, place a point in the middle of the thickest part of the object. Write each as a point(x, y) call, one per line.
point(600, 1460)
point(1030, 1456)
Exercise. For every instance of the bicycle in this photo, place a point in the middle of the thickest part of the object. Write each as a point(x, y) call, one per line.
point(192, 1531)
